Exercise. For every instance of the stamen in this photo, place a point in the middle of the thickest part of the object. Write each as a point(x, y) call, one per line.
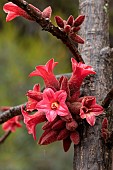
point(54, 105)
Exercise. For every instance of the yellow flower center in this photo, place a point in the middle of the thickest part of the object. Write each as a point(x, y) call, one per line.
point(54, 105)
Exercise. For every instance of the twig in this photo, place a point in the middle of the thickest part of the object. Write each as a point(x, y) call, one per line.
point(109, 97)
point(13, 111)
point(4, 137)
point(48, 26)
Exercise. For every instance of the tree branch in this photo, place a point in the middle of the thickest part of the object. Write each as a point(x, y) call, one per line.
point(109, 97)
point(13, 111)
point(4, 137)
point(48, 26)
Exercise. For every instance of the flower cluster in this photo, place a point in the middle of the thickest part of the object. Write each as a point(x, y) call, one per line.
point(60, 106)
point(71, 26)
point(15, 11)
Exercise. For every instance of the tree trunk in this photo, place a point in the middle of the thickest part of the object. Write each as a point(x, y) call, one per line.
point(92, 153)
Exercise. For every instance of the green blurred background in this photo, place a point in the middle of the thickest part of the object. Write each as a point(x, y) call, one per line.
point(23, 45)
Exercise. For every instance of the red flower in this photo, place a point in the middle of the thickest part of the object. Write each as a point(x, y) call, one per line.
point(34, 96)
point(90, 109)
point(46, 72)
point(80, 71)
point(53, 104)
point(32, 120)
point(15, 11)
point(12, 124)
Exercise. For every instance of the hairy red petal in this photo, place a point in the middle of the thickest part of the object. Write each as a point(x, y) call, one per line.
point(48, 124)
point(79, 20)
point(66, 144)
point(44, 134)
point(60, 124)
point(90, 119)
point(74, 107)
point(75, 29)
point(11, 124)
point(105, 123)
point(76, 38)
point(67, 118)
point(70, 20)
point(67, 28)
point(59, 21)
point(75, 138)
point(71, 126)
point(47, 13)
point(64, 133)
point(64, 85)
point(50, 137)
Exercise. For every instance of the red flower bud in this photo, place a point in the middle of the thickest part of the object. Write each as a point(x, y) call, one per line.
point(59, 21)
point(50, 137)
point(75, 29)
point(64, 85)
point(47, 13)
point(75, 138)
point(48, 124)
point(66, 144)
point(58, 125)
point(64, 133)
point(105, 123)
point(70, 20)
point(79, 20)
point(76, 38)
point(74, 107)
point(67, 118)
point(44, 134)
point(105, 131)
point(67, 28)
point(71, 126)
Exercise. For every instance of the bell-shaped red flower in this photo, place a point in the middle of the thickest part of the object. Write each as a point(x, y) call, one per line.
point(15, 11)
point(46, 72)
point(90, 109)
point(53, 104)
point(32, 120)
point(11, 124)
point(80, 71)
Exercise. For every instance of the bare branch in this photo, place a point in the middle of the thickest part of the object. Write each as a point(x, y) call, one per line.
point(13, 111)
point(48, 26)
point(109, 97)
point(5, 136)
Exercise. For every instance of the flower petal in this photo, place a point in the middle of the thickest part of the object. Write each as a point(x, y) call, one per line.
point(90, 119)
point(51, 115)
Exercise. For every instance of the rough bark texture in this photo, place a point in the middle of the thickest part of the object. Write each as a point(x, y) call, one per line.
point(92, 153)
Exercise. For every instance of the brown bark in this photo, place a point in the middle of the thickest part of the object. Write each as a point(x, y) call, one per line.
point(92, 153)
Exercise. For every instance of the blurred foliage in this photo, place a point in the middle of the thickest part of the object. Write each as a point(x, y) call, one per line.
point(23, 45)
